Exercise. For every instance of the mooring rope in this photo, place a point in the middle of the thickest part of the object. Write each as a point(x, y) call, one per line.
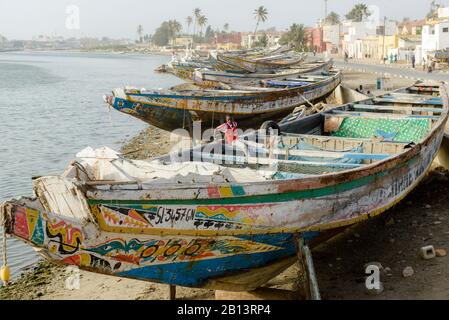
point(4, 271)
point(5, 258)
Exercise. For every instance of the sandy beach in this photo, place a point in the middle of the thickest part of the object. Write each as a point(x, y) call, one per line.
point(393, 240)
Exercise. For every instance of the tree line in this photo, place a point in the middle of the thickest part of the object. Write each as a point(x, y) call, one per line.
point(297, 34)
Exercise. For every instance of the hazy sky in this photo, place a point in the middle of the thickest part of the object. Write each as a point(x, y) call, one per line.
point(23, 19)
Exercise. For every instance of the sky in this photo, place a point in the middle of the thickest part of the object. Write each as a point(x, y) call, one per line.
point(24, 19)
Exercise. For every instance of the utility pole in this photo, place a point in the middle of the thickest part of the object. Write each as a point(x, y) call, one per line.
point(383, 42)
point(325, 11)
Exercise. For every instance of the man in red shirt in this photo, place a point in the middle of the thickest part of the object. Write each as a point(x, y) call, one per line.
point(229, 128)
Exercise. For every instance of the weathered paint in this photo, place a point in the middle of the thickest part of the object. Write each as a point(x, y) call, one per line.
point(168, 109)
point(178, 260)
point(202, 76)
point(205, 233)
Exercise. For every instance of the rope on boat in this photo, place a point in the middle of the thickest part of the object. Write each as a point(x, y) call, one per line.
point(4, 271)
point(310, 103)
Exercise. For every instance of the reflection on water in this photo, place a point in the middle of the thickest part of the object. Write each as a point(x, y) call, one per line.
point(51, 107)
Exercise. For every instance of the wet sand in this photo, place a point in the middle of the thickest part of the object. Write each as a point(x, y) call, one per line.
point(394, 240)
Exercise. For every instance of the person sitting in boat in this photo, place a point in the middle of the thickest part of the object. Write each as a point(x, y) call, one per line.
point(229, 128)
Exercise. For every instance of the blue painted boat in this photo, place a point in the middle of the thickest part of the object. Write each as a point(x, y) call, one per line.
point(228, 217)
point(250, 105)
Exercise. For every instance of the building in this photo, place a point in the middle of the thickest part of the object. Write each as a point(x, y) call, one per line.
point(232, 37)
point(361, 38)
point(435, 33)
point(249, 38)
point(228, 41)
point(408, 45)
point(353, 33)
point(388, 46)
point(411, 28)
point(183, 41)
point(317, 43)
point(332, 38)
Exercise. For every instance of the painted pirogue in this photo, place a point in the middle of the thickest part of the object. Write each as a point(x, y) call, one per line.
point(261, 64)
point(184, 67)
point(184, 220)
point(250, 105)
point(204, 75)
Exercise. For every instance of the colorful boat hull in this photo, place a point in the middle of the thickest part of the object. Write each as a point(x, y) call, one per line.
point(231, 236)
point(249, 108)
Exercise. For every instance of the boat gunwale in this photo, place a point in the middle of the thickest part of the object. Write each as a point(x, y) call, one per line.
point(240, 94)
point(325, 180)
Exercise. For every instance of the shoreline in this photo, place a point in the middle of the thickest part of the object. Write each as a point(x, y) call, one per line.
point(393, 240)
point(104, 51)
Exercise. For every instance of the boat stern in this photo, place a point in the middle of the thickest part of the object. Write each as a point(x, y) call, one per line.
point(22, 219)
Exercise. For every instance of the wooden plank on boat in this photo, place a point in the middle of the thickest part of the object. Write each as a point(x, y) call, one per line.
point(378, 115)
point(412, 95)
point(295, 137)
point(269, 161)
point(411, 101)
point(331, 154)
point(396, 108)
point(424, 88)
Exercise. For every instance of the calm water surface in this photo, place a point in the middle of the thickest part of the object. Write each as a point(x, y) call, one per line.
point(51, 107)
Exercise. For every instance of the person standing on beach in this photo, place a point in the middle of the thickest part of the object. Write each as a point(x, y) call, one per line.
point(229, 128)
point(413, 61)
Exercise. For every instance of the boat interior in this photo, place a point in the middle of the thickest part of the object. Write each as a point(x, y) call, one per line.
point(348, 137)
point(260, 86)
point(344, 138)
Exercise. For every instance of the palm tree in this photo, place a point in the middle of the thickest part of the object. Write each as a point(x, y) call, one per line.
point(261, 15)
point(140, 32)
point(197, 15)
point(174, 28)
point(226, 27)
point(202, 20)
point(358, 13)
point(189, 21)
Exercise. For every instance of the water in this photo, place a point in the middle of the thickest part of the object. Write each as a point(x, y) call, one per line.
point(51, 107)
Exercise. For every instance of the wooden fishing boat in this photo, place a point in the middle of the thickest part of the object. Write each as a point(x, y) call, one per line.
point(260, 65)
point(179, 106)
point(228, 216)
point(205, 75)
point(184, 67)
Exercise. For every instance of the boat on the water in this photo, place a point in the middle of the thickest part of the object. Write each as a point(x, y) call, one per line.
point(228, 217)
point(250, 105)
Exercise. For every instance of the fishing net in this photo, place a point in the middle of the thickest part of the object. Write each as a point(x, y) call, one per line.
point(398, 130)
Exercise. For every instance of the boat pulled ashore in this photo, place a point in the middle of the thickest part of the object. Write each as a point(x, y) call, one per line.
point(260, 64)
point(200, 76)
point(250, 105)
point(228, 217)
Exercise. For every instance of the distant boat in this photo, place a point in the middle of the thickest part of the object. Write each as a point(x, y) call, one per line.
point(250, 106)
point(206, 75)
point(262, 64)
point(229, 217)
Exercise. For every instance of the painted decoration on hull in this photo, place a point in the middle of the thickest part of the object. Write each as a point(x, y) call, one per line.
point(134, 216)
point(176, 260)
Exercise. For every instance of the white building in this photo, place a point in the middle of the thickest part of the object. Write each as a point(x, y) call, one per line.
point(356, 32)
point(331, 37)
point(248, 39)
point(435, 34)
